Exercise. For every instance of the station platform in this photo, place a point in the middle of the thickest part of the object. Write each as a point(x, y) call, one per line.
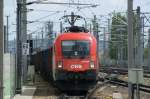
point(40, 89)
point(27, 93)
point(29, 88)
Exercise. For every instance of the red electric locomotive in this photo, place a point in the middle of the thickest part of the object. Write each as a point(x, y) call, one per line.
point(75, 60)
point(72, 62)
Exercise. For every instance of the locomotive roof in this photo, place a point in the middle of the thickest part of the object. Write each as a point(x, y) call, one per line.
point(74, 35)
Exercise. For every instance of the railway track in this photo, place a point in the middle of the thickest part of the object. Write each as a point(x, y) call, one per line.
point(96, 87)
point(144, 88)
point(88, 95)
point(65, 96)
point(113, 79)
point(122, 71)
point(47, 91)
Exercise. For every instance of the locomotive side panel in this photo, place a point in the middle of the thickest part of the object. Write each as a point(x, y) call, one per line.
point(43, 63)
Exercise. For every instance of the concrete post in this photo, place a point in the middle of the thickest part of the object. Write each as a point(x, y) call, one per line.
point(139, 34)
point(19, 56)
point(24, 37)
point(130, 44)
point(139, 50)
point(7, 34)
point(1, 49)
point(148, 47)
point(104, 47)
point(5, 39)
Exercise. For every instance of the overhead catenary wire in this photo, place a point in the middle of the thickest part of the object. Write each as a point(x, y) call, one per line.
point(45, 17)
point(57, 3)
point(39, 10)
point(40, 19)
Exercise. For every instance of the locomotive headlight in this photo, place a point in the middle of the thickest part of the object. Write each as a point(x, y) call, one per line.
point(92, 64)
point(59, 64)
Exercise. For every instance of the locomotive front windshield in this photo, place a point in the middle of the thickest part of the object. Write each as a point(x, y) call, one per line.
point(74, 48)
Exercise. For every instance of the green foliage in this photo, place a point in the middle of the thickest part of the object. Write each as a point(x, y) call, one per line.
point(146, 52)
point(118, 36)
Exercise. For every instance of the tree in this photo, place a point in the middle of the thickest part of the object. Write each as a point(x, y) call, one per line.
point(146, 53)
point(118, 42)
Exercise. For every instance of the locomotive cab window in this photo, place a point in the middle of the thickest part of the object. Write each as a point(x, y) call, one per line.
point(75, 48)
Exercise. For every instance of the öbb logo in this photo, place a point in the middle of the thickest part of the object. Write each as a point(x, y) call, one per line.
point(76, 66)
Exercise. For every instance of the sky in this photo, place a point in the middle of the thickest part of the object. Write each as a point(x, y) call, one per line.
point(41, 11)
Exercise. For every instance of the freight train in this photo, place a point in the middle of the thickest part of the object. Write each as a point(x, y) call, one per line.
point(72, 62)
